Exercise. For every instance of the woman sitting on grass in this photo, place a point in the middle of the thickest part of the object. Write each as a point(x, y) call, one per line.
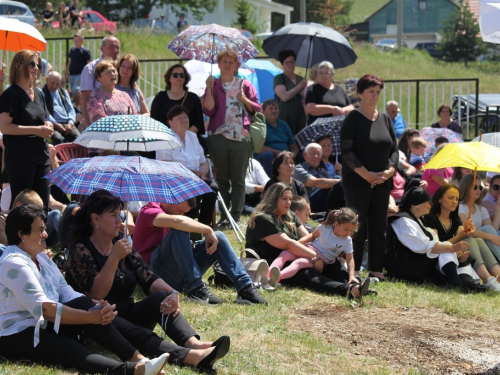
point(444, 219)
point(332, 238)
point(42, 316)
point(273, 228)
point(102, 267)
point(414, 251)
point(485, 227)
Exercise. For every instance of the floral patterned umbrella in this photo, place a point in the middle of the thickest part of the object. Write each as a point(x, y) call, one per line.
point(204, 42)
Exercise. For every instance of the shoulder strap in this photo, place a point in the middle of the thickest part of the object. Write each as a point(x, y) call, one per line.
point(242, 253)
point(185, 96)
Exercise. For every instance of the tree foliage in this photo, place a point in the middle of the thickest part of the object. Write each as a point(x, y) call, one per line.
point(245, 16)
point(141, 8)
point(460, 32)
point(321, 11)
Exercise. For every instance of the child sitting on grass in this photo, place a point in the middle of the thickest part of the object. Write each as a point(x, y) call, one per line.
point(332, 238)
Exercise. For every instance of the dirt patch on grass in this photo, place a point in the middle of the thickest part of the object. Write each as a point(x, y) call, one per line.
point(428, 340)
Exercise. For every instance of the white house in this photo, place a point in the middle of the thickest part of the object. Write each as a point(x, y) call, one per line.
point(224, 13)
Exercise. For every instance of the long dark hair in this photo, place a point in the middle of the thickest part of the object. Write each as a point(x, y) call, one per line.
point(403, 140)
point(436, 206)
point(98, 202)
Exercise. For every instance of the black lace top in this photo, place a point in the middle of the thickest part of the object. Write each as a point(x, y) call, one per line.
point(85, 262)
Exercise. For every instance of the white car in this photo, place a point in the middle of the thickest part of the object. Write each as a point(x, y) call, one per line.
point(15, 9)
point(387, 44)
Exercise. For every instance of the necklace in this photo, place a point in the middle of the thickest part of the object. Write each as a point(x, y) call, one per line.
point(445, 229)
point(100, 252)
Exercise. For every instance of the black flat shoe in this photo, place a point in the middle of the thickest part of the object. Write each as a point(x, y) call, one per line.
point(220, 339)
point(220, 350)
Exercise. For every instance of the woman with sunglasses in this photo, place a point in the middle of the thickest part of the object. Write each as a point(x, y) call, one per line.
point(22, 122)
point(485, 227)
point(176, 93)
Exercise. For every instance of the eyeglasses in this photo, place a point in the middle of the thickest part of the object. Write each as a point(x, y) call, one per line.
point(481, 187)
point(325, 73)
point(289, 62)
point(34, 64)
point(495, 187)
point(177, 75)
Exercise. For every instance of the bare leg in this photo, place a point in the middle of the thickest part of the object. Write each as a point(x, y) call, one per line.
point(483, 273)
point(194, 343)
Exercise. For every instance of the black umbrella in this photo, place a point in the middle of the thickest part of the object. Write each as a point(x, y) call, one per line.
point(312, 43)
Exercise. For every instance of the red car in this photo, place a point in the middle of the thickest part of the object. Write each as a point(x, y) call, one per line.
point(96, 20)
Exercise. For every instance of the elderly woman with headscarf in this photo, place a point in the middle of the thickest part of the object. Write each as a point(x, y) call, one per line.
point(414, 251)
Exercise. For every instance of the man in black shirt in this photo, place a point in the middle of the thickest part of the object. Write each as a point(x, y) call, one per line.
point(78, 57)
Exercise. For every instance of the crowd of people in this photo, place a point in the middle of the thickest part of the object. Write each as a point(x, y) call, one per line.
point(364, 184)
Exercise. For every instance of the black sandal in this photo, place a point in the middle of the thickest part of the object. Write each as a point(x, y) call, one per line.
point(363, 289)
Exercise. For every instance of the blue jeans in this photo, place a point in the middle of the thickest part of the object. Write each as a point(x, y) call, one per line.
point(74, 82)
point(495, 249)
point(182, 267)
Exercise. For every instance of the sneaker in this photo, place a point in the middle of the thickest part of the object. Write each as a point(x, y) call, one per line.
point(492, 284)
point(274, 276)
point(250, 296)
point(223, 224)
point(202, 295)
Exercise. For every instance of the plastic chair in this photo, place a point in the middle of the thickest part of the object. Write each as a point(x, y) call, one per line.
point(68, 151)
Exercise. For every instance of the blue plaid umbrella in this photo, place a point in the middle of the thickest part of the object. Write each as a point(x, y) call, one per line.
point(323, 126)
point(132, 178)
point(128, 133)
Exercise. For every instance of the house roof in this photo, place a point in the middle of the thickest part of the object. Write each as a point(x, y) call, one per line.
point(474, 7)
point(271, 5)
point(454, 2)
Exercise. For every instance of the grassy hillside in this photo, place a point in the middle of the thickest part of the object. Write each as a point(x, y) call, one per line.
point(364, 8)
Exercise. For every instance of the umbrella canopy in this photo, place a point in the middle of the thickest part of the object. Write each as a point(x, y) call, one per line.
point(16, 35)
point(322, 126)
point(312, 43)
point(128, 133)
point(132, 178)
point(204, 42)
point(266, 71)
point(430, 135)
point(473, 155)
point(493, 139)
point(489, 13)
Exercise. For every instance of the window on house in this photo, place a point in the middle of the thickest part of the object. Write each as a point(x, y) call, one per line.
point(422, 4)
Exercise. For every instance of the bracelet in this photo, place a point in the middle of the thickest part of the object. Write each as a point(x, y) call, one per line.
point(174, 291)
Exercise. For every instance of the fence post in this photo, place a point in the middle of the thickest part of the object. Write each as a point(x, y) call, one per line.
point(418, 102)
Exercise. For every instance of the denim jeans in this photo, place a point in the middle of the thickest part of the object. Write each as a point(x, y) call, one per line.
point(74, 82)
point(495, 249)
point(182, 267)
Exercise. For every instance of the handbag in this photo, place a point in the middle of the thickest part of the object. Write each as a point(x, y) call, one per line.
point(258, 131)
point(257, 269)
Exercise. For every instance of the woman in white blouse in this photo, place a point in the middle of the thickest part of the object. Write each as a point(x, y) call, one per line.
point(414, 250)
point(190, 155)
point(485, 227)
point(42, 315)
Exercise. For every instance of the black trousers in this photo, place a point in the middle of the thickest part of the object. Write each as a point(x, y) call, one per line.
point(58, 138)
point(333, 280)
point(28, 175)
point(63, 348)
point(371, 205)
point(138, 321)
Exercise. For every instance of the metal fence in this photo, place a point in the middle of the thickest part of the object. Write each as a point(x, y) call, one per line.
point(419, 100)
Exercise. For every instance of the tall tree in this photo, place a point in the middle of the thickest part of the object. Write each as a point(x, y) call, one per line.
point(460, 33)
point(245, 16)
point(314, 10)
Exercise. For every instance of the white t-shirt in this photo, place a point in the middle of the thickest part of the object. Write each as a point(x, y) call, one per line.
point(477, 217)
point(190, 155)
point(329, 245)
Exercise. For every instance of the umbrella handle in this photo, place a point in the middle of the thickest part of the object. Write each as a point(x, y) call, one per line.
point(471, 201)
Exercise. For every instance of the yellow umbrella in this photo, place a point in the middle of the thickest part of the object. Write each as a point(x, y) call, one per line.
point(16, 35)
point(473, 155)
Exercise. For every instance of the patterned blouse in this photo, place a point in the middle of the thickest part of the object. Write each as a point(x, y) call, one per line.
point(102, 104)
point(233, 123)
point(23, 289)
point(134, 95)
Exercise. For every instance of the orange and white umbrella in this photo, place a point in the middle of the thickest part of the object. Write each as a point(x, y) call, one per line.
point(16, 35)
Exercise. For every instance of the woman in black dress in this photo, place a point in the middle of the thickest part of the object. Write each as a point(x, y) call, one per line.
point(22, 122)
point(369, 160)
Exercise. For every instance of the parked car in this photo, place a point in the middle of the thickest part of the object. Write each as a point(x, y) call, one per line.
point(487, 115)
point(431, 47)
point(247, 34)
point(263, 36)
point(15, 9)
point(388, 44)
point(96, 20)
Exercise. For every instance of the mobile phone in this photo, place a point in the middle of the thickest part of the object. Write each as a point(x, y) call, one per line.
point(97, 306)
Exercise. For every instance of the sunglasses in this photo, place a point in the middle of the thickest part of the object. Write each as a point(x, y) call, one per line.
point(177, 75)
point(495, 187)
point(34, 64)
point(481, 187)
